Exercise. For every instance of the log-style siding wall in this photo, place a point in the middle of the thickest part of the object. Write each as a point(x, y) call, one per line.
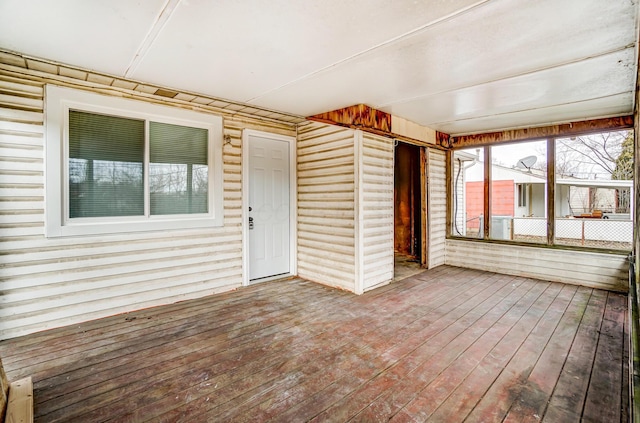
point(326, 205)
point(458, 198)
point(596, 270)
point(437, 206)
point(376, 210)
point(60, 281)
point(344, 222)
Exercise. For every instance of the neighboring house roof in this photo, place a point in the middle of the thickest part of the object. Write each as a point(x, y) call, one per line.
point(502, 173)
point(465, 156)
point(596, 183)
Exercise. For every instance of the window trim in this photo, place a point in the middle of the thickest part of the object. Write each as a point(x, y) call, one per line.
point(550, 193)
point(58, 101)
point(523, 194)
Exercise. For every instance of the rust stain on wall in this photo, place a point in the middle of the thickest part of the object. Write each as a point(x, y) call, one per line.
point(443, 140)
point(358, 116)
point(562, 130)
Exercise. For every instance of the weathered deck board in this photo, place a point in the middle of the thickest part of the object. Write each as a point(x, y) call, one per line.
point(570, 392)
point(444, 345)
point(604, 395)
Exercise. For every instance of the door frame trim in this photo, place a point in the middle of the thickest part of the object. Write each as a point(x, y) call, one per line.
point(293, 201)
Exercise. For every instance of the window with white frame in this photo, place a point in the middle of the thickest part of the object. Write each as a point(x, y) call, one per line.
point(522, 195)
point(117, 165)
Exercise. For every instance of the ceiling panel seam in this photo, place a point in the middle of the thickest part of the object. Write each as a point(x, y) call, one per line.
point(504, 78)
point(392, 40)
point(511, 112)
point(163, 17)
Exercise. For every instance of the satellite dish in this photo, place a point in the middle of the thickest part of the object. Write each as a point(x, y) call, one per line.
point(527, 162)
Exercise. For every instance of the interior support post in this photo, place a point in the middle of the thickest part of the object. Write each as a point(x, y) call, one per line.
point(487, 190)
point(424, 234)
point(551, 190)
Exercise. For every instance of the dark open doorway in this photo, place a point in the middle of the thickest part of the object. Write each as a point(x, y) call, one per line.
point(409, 205)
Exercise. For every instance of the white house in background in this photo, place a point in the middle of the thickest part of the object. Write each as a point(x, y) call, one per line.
point(519, 201)
point(515, 192)
point(573, 196)
point(582, 196)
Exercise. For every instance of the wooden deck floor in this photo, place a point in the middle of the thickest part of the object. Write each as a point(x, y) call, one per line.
point(446, 345)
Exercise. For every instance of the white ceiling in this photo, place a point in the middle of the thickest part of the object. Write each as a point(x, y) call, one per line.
point(458, 66)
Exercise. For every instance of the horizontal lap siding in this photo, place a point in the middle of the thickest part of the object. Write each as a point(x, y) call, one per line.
point(377, 210)
point(53, 282)
point(326, 233)
point(458, 208)
point(437, 206)
point(596, 270)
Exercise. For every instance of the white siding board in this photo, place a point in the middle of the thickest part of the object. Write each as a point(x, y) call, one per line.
point(13, 101)
point(324, 171)
point(338, 247)
point(9, 230)
point(325, 276)
point(101, 250)
point(141, 238)
point(377, 210)
point(77, 275)
point(345, 231)
point(459, 208)
point(326, 205)
point(11, 85)
point(17, 164)
point(437, 206)
point(18, 128)
point(47, 283)
point(23, 301)
point(23, 139)
point(336, 205)
point(107, 260)
point(340, 178)
point(20, 115)
point(332, 162)
point(28, 217)
point(22, 190)
point(314, 133)
point(329, 213)
point(85, 313)
point(130, 275)
point(19, 178)
point(21, 206)
point(329, 188)
point(596, 270)
point(64, 310)
point(336, 143)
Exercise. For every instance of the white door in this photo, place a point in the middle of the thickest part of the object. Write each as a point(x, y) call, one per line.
point(269, 224)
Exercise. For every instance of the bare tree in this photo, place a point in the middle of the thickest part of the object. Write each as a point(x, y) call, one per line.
point(590, 156)
point(607, 155)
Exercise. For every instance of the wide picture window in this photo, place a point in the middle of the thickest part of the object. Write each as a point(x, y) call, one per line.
point(589, 178)
point(116, 165)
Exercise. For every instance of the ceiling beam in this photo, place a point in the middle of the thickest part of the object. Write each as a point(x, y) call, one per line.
point(359, 116)
point(553, 131)
point(378, 122)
